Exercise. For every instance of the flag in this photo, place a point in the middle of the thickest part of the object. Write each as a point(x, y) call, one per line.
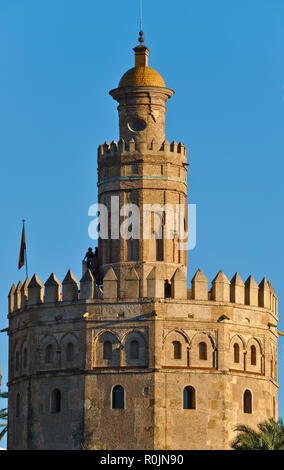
point(22, 250)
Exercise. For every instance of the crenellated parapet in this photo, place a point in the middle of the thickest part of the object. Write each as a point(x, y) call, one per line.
point(127, 148)
point(235, 291)
point(34, 294)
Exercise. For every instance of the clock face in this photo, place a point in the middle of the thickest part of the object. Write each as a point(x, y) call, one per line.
point(137, 125)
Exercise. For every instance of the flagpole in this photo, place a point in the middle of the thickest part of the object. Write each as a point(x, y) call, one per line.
point(26, 257)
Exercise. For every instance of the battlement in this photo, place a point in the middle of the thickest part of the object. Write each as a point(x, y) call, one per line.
point(33, 293)
point(234, 291)
point(123, 147)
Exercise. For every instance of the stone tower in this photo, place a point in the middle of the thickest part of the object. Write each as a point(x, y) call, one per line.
point(140, 361)
point(143, 169)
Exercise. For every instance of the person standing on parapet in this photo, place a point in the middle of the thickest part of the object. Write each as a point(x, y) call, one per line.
point(88, 256)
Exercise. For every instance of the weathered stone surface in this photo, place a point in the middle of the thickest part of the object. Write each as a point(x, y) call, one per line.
point(251, 292)
point(52, 289)
point(35, 291)
point(199, 286)
point(179, 284)
point(70, 287)
point(237, 289)
point(87, 286)
point(221, 288)
point(24, 292)
point(18, 296)
point(264, 294)
point(11, 298)
point(132, 284)
point(110, 284)
point(155, 284)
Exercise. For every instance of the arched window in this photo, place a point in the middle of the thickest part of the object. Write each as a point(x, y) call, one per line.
point(247, 402)
point(49, 354)
point(25, 358)
point(177, 349)
point(55, 401)
point(107, 350)
point(236, 353)
point(69, 352)
point(17, 360)
point(18, 405)
point(118, 397)
point(253, 355)
point(189, 402)
point(134, 349)
point(203, 351)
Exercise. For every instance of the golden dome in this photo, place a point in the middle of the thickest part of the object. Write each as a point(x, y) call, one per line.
point(141, 76)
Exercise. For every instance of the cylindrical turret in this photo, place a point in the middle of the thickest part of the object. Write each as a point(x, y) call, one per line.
point(142, 95)
point(143, 170)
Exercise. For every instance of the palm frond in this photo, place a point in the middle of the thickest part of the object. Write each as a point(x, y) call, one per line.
point(270, 436)
point(3, 432)
point(3, 417)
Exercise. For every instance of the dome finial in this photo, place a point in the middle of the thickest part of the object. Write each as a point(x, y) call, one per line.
point(141, 35)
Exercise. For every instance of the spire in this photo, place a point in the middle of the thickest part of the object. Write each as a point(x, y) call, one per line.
point(141, 34)
point(141, 51)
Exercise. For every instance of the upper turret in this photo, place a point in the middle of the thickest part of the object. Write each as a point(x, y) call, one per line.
point(142, 95)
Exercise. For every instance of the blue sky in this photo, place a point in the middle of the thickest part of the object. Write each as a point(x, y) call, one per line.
point(225, 62)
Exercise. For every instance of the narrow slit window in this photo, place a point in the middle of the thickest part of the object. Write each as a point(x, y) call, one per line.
point(189, 400)
point(236, 353)
point(203, 351)
point(56, 401)
point(134, 350)
point(177, 349)
point(118, 397)
point(25, 358)
point(168, 289)
point(49, 354)
point(247, 402)
point(70, 352)
point(253, 355)
point(107, 350)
